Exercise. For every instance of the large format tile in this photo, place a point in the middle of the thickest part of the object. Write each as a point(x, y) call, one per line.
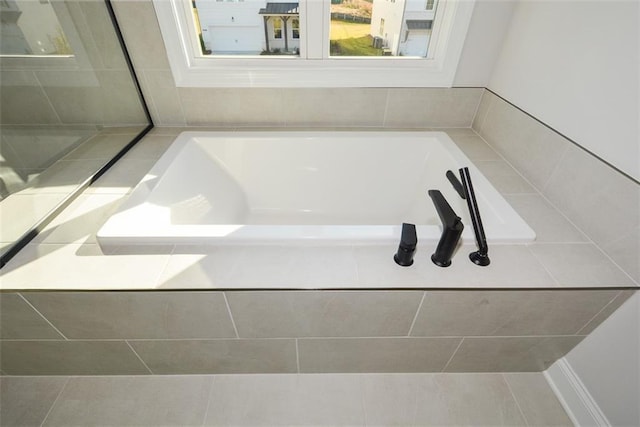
point(334, 107)
point(122, 177)
point(231, 107)
point(538, 403)
point(141, 32)
point(151, 147)
point(607, 311)
point(301, 400)
point(504, 178)
point(601, 201)
point(19, 321)
point(19, 212)
point(162, 96)
point(434, 107)
point(74, 266)
point(580, 265)
point(69, 358)
point(508, 313)
point(475, 148)
point(531, 147)
point(549, 224)
point(356, 355)
point(218, 356)
point(261, 314)
point(140, 401)
point(130, 315)
point(259, 267)
point(510, 354)
point(81, 220)
point(26, 401)
point(439, 400)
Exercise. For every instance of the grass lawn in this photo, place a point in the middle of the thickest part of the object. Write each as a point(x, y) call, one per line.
point(351, 39)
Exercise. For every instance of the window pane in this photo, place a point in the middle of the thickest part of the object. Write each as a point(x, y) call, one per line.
point(31, 27)
point(247, 27)
point(381, 27)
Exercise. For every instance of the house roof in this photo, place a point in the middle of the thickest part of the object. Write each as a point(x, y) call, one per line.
point(280, 9)
point(419, 24)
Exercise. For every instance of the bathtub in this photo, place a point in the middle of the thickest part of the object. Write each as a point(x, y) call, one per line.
point(220, 188)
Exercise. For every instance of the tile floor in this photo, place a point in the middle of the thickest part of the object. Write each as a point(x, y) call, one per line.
point(516, 399)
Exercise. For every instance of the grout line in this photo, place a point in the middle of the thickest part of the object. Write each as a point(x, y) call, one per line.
point(451, 358)
point(598, 313)
point(46, 95)
point(233, 323)
point(544, 267)
point(55, 401)
point(297, 356)
point(424, 294)
point(41, 315)
point(139, 358)
point(504, 378)
point(206, 411)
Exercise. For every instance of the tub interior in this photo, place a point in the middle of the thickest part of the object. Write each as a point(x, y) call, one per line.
point(344, 180)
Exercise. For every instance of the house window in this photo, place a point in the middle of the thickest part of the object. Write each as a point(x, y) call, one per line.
point(277, 28)
point(295, 28)
point(212, 51)
point(430, 4)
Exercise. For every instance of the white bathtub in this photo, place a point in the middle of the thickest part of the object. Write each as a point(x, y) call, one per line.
point(303, 187)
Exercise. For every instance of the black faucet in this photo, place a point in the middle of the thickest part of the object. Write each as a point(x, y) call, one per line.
point(481, 256)
point(451, 230)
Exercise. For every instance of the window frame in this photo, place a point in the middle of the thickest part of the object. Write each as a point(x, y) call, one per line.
point(314, 67)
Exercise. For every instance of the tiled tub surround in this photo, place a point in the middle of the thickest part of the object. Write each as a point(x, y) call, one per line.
point(528, 308)
point(215, 332)
point(602, 202)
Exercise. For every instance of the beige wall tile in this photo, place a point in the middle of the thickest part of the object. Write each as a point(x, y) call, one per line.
point(606, 311)
point(142, 315)
point(549, 224)
point(218, 356)
point(538, 403)
point(375, 354)
point(334, 107)
point(281, 400)
point(529, 146)
point(579, 265)
point(150, 401)
point(236, 107)
point(510, 354)
point(26, 105)
point(508, 313)
point(323, 313)
point(104, 46)
point(19, 321)
point(504, 178)
point(141, 32)
point(601, 201)
point(69, 358)
point(27, 401)
point(433, 107)
point(163, 96)
point(483, 109)
point(470, 400)
point(474, 147)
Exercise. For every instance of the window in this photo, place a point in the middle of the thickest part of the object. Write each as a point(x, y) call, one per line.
point(305, 55)
point(381, 32)
point(430, 4)
point(277, 28)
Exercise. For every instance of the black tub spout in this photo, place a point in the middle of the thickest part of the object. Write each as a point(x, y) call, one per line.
point(451, 230)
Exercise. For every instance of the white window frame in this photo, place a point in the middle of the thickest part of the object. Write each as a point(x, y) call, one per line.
point(314, 67)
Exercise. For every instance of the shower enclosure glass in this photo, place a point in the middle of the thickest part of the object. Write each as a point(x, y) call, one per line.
point(68, 105)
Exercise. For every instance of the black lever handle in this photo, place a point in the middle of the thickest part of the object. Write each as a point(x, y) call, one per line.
point(455, 182)
point(408, 243)
point(451, 230)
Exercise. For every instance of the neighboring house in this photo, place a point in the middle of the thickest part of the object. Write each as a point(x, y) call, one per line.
point(248, 27)
point(404, 25)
